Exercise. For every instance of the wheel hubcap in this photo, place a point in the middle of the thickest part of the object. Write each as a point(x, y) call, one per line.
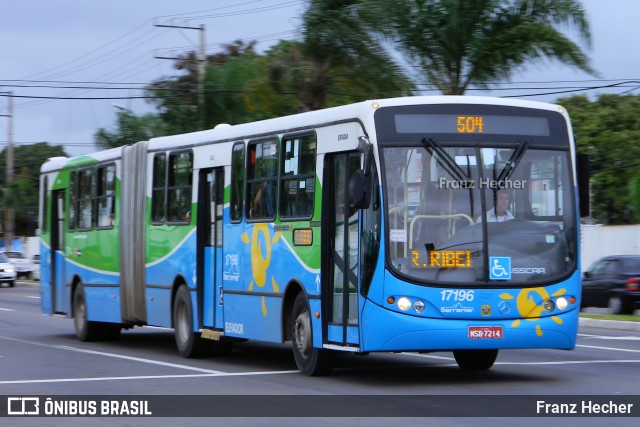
point(301, 330)
point(181, 327)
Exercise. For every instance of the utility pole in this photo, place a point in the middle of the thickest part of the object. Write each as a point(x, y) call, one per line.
point(9, 219)
point(202, 64)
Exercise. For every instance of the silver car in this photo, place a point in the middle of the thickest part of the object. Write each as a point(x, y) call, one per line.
point(22, 264)
point(7, 271)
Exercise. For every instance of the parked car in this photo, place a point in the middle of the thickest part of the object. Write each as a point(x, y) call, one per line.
point(605, 278)
point(22, 264)
point(7, 272)
point(627, 300)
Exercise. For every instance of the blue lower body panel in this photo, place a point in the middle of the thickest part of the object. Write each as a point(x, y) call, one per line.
point(385, 330)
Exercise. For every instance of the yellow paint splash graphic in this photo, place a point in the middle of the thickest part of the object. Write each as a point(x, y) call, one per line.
point(261, 251)
point(530, 306)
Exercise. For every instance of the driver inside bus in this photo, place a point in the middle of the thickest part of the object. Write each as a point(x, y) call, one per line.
point(499, 213)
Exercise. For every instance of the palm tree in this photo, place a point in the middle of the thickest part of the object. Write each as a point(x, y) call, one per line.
point(337, 50)
point(461, 43)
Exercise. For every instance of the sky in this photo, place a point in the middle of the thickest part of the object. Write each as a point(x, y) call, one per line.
point(48, 47)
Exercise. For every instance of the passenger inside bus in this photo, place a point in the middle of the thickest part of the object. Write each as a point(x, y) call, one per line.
point(263, 203)
point(499, 213)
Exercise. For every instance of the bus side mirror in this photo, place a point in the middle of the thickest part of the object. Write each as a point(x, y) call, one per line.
point(360, 190)
point(582, 172)
point(360, 182)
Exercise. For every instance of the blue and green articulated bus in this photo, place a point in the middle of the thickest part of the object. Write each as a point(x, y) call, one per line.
point(411, 224)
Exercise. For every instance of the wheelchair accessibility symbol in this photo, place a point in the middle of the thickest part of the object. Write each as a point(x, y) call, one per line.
point(500, 268)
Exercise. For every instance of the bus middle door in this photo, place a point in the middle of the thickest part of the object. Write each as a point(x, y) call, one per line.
point(210, 209)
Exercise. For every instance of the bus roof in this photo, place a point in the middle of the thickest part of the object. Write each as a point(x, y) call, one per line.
point(361, 111)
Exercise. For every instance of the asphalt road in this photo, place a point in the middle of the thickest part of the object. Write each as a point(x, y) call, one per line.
point(39, 355)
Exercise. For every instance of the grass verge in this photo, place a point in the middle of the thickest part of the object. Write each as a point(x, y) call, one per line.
point(625, 317)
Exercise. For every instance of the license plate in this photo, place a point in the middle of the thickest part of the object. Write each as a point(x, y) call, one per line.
point(485, 332)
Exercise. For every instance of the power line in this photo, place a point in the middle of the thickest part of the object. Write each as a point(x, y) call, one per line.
point(90, 53)
point(238, 12)
point(210, 10)
point(225, 43)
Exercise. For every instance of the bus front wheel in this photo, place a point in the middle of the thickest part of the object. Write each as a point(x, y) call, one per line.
point(475, 360)
point(190, 344)
point(310, 360)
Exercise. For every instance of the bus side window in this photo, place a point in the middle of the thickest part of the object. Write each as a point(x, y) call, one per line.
point(159, 191)
point(237, 181)
point(262, 178)
point(179, 188)
point(73, 201)
point(106, 196)
point(86, 199)
point(297, 185)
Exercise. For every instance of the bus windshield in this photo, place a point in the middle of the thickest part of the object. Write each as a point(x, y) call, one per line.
point(479, 213)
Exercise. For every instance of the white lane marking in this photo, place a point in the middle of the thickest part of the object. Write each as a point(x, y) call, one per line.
point(601, 337)
point(7, 309)
point(30, 296)
point(205, 372)
point(118, 356)
point(568, 362)
point(139, 359)
point(146, 377)
point(629, 350)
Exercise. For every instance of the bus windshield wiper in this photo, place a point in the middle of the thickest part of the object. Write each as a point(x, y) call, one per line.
point(444, 159)
point(513, 160)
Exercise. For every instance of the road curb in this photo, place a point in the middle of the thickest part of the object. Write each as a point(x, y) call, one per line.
point(610, 324)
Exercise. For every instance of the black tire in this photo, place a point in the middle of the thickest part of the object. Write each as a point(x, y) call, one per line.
point(12, 284)
point(190, 344)
point(618, 306)
point(85, 330)
point(310, 361)
point(475, 360)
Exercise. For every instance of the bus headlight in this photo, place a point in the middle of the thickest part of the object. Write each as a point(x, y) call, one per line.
point(562, 303)
point(418, 306)
point(404, 303)
point(548, 306)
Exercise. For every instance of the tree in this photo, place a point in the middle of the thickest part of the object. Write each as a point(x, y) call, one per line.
point(130, 129)
point(340, 55)
point(226, 74)
point(457, 44)
point(22, 194)
point(292, 82)
point(608, 131)
point(634, 194)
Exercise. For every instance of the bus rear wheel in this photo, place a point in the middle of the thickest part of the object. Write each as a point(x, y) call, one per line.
point(310, 360)
point(475, 360)
point(85, 329)
point(190, 344)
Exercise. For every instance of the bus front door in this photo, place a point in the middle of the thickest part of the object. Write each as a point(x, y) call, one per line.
point(210, 208)
point(341, 226)
point(56, 261)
